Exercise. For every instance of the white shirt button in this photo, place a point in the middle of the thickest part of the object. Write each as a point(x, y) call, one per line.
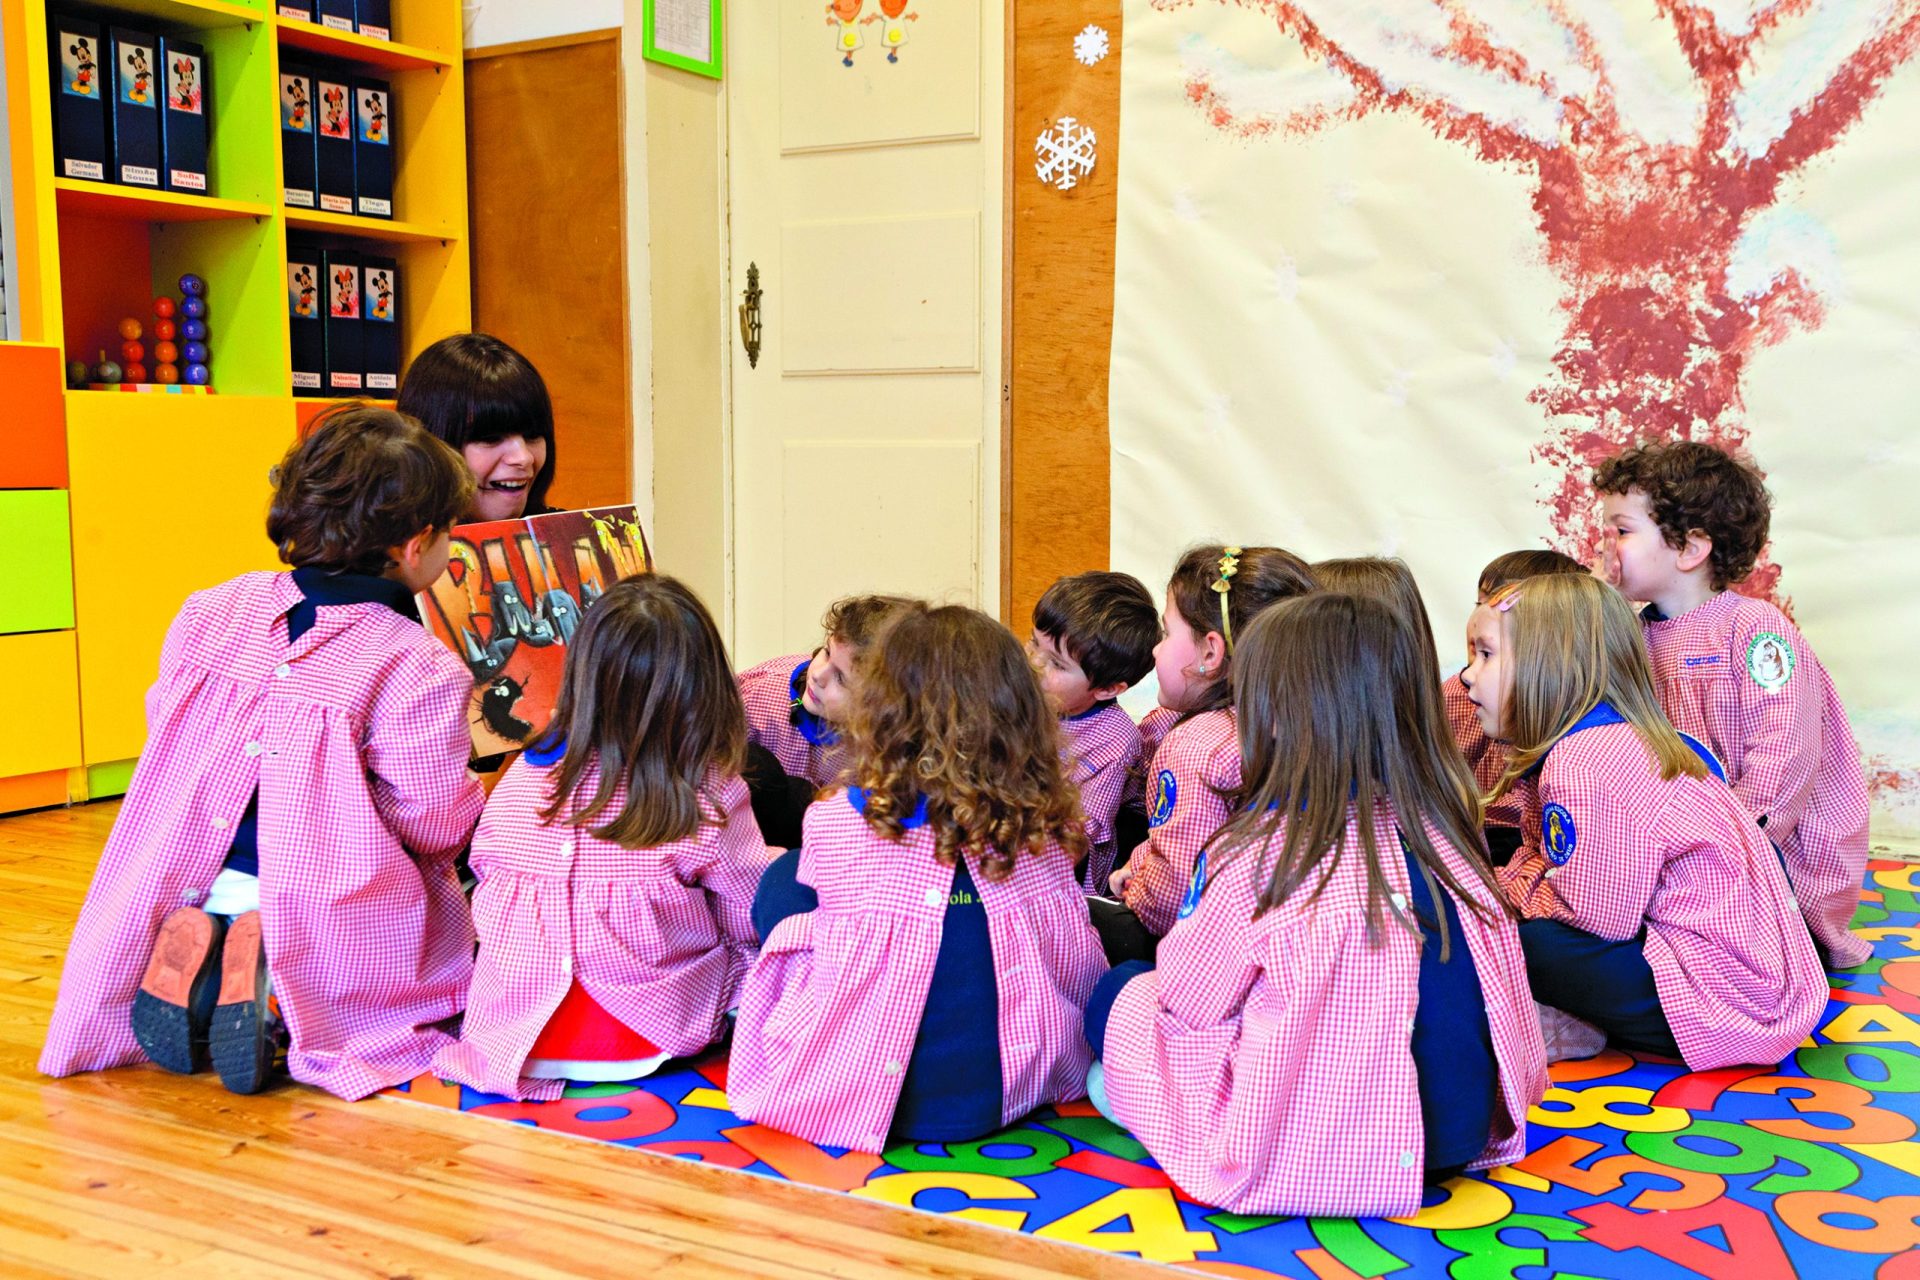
point(891, 1068)
point(1406, 1159)
point(1399, 901)
point(936, 898)
point(253, 748)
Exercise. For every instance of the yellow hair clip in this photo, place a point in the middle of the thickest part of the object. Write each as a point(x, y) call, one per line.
point(1229, 565)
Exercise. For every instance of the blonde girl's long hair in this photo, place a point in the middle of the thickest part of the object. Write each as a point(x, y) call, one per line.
point(1572, 643)
point(1339, 710)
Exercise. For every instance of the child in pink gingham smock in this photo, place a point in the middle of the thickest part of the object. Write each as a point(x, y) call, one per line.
point(1316, 1039)
point(1487, 758)
point(1686, 522)
point(794, 706)
point(352, 742)
point(1656, 908)
point(1093, 637)
point(632, 896)
point(841, 1020)
point(1195, 771)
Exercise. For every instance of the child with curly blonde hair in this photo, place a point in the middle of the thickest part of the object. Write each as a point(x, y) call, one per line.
point(927, 950)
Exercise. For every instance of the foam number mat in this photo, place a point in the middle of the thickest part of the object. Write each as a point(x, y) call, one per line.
point(1635, 1167)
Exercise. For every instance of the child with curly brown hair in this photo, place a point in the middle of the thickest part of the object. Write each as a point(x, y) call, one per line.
point(1685, 522)
point(926, 951)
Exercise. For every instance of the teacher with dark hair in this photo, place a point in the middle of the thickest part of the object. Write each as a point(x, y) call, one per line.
point(489, 402)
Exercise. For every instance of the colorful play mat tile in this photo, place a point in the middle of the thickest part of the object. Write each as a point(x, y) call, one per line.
point(1635, 1168)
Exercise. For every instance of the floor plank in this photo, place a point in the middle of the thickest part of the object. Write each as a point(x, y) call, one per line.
point(138, 1172)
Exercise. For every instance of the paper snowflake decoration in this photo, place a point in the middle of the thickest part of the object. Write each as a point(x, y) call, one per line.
point(1065, 153)
point(1090, 45)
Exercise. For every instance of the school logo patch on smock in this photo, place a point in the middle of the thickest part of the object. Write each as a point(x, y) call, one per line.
point(1197, 887)
point(1165, 796)
point(1557, 835)
point(1769, 660)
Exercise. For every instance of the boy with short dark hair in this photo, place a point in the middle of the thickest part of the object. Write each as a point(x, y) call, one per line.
point(1093, 637)
point(1685, 522)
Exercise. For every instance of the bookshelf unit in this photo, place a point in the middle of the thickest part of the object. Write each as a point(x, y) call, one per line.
point(167, 493)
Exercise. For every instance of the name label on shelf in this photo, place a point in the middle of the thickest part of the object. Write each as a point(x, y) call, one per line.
point(384, 208)
point(86, 169)
point(345, 381)
point(336, 22)
point(296, 197)
point(308, 381)
point(336, 204)
point(188, 178)
point(139, 175)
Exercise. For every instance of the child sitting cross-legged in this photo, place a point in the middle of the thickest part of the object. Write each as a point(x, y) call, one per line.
point(617, 861)
point(927, 951)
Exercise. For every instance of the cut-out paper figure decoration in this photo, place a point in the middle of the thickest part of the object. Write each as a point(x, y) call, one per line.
point(894, 34)
point(844, 17)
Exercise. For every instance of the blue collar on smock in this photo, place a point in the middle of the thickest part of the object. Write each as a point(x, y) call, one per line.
point(857, 797)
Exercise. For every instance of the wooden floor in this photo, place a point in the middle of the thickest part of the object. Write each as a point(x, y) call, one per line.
point(140, 1173)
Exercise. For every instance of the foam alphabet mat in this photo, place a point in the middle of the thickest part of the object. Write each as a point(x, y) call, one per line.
point(1635, 1167)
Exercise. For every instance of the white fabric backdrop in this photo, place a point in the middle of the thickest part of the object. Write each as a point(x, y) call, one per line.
point(1331, 306)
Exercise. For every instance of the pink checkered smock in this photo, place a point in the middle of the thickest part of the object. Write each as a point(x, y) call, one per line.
point(1268, 1065)
point(1738, 675)
point(1487, 758)
point(659, 937)
point(1153, 731)
point(1190, 784)
point(829, 1012)
point(768, 692)
point(1738, 977)
point(356, 738)
point(1103, 750)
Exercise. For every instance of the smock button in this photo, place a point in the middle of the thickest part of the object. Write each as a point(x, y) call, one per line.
point(253, 748)
point(283, 671)
point(1406, 1159)
point(891, 1068)
point(1399, 901)
point(219, 824)
point(566, 964)
point(192, 896)
point(935, 897)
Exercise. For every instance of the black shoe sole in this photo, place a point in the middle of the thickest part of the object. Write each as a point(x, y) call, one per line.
point(173, 1032)
point(240, 1037)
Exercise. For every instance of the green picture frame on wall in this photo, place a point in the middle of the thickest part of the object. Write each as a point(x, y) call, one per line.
point(688, 34)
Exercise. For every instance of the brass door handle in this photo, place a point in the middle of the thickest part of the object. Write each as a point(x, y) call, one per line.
point(750, 316)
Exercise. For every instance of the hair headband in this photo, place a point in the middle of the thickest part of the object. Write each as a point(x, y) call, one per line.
point(1229, 565)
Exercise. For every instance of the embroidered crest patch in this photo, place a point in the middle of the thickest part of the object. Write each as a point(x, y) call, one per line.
point(1769, 660)
point(1165, 796)
point(1197, 887)
point(1557, 835)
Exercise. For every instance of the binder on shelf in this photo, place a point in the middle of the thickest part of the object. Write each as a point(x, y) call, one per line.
point(80, 101)
point(301, 9)
point(337, 14)
point(183, 114)
point(373, 149)
point(306, 324)
point(375, 18)
point(136, 107)
point(345, 348)
point(380, 309)
point(299, 163)
point(333, 105)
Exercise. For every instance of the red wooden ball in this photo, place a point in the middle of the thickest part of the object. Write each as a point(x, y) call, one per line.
point(165, 374)
point(135, 372)
point(165, 352)
point(163, 331)
point(163, 307)
point(130, 329)
point(132, 353)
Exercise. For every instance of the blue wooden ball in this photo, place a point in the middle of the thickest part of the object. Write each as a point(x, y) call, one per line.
point(194, 352)
point(193, 308)
point(196, 375)
point(193, 286)
point(193, 330)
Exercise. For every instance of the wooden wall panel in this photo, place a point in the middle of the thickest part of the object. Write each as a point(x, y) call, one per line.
point(1061, 285)
point(545, 212)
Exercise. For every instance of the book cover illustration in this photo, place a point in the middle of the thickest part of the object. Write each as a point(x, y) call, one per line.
point(514, 594)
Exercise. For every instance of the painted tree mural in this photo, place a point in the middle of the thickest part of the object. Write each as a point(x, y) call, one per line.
point(1659, 208)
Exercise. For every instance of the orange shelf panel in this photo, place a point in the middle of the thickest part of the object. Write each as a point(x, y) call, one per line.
point(386, 54)
point(132, 204)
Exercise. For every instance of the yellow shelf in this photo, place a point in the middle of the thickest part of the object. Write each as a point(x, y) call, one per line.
point(135, 204)
point(201, 14)
point(368, 228)
point(387, 54)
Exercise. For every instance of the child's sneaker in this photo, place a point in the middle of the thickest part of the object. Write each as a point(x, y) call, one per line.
point(174, 1005)
point(245, 1035)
